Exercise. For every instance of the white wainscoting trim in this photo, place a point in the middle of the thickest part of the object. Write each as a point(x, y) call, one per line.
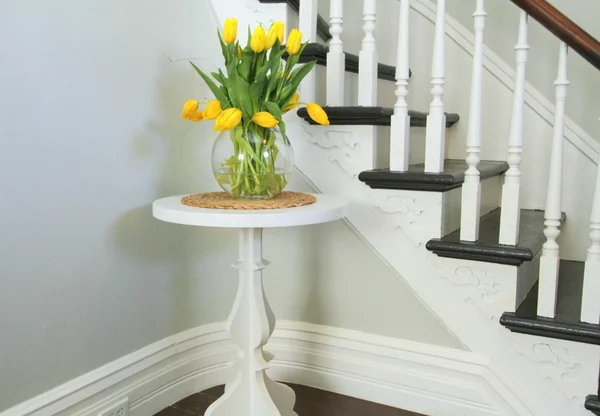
point(506, 74)
point(419, 377)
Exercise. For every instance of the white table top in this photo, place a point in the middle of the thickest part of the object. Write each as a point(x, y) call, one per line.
point(327, 208)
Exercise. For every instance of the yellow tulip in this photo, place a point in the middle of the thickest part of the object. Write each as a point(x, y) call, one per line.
point(275, 32)
point(196, 117)
point(280, 32)
point(294, 42)
point(293, 103)
point(316, 112)
point(212, 110)
point(230, 31)
point(189, 109)
point(290, 107)
point(228, 119)
point(265, 119)
point(257, 42)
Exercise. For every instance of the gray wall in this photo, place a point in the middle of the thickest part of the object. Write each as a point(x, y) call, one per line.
point(90, 135)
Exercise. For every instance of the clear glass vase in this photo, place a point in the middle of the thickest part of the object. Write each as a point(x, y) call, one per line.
point(252, 162)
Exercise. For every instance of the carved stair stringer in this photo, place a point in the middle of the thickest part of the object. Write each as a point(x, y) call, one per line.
point(395, 224)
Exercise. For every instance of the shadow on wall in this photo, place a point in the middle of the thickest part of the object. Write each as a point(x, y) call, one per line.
point(175, 253)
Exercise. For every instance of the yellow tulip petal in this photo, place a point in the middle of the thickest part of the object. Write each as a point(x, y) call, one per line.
point(228, 119)
point(270, 38)
point(316, 112)
point(212, 110)
point(265, 119)
point(290, 107)
point(257, 42)
point(280, 31)
point(196, 117)
point(294, 42)
point(293, 103)
point(230, 31)
point(275, 32)
point(189, 108)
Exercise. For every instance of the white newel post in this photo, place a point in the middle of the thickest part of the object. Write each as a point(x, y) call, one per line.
point(436, 120)
point(471, 189)
point(400, 129)
point(336, 59)
point(590, 307)
point(511, 190)
point(367, 58)
point(550, 260)
point(307, 24)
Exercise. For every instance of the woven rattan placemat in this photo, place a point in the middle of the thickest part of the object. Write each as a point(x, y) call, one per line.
point(222, 200)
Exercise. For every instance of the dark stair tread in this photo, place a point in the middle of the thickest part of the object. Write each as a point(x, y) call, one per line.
point(531, 240)
point(592, 403)
point(371, 116)
point(322, 25)
point(416, 179)
point(318, 52)
point(566, 325)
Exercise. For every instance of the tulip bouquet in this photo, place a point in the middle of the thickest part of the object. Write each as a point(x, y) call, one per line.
point(250, 98)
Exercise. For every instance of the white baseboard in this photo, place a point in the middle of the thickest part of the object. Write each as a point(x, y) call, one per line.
point(418, 377)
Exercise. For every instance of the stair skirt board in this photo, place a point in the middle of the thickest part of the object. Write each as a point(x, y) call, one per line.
point(417, 377)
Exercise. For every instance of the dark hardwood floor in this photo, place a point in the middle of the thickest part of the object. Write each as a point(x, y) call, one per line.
point(309, 402)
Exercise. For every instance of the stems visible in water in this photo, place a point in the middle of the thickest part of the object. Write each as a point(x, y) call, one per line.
point(251, 170)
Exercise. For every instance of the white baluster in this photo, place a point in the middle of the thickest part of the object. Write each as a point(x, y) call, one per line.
point(400, 130)
point(367, 58)
point(550, 260)
point(511, 190)
point(436, 120)
point(307, 24)
point(590, 307)
point(471, 189)
point(336, 59)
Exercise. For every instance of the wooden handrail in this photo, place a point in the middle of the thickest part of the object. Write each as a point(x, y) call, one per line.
point(564, 28)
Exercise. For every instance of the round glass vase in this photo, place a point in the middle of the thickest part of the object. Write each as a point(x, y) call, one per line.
point(252, 162)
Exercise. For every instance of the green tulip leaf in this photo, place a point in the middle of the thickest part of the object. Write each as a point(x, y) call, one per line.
point(213, 87)
point(223, 46)
point(274, 110)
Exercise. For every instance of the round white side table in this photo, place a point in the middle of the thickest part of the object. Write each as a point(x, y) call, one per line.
point(250, 392)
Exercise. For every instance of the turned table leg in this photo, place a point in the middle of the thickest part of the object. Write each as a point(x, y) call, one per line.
point(250, 392)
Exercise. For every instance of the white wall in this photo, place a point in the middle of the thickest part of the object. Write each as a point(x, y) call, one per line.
point(502, 23)
point(90, 135)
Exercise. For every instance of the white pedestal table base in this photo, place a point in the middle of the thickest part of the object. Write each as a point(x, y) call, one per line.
point(250, 392)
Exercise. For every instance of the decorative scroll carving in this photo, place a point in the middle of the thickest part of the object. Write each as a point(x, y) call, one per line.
point(555, 363)
point(409, 216)
point(479, 287)
point(343, 148)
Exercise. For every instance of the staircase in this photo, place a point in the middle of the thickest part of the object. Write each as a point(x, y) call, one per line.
point(460, 231)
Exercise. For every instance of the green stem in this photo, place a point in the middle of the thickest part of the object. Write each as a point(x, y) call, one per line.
point(283, 79)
